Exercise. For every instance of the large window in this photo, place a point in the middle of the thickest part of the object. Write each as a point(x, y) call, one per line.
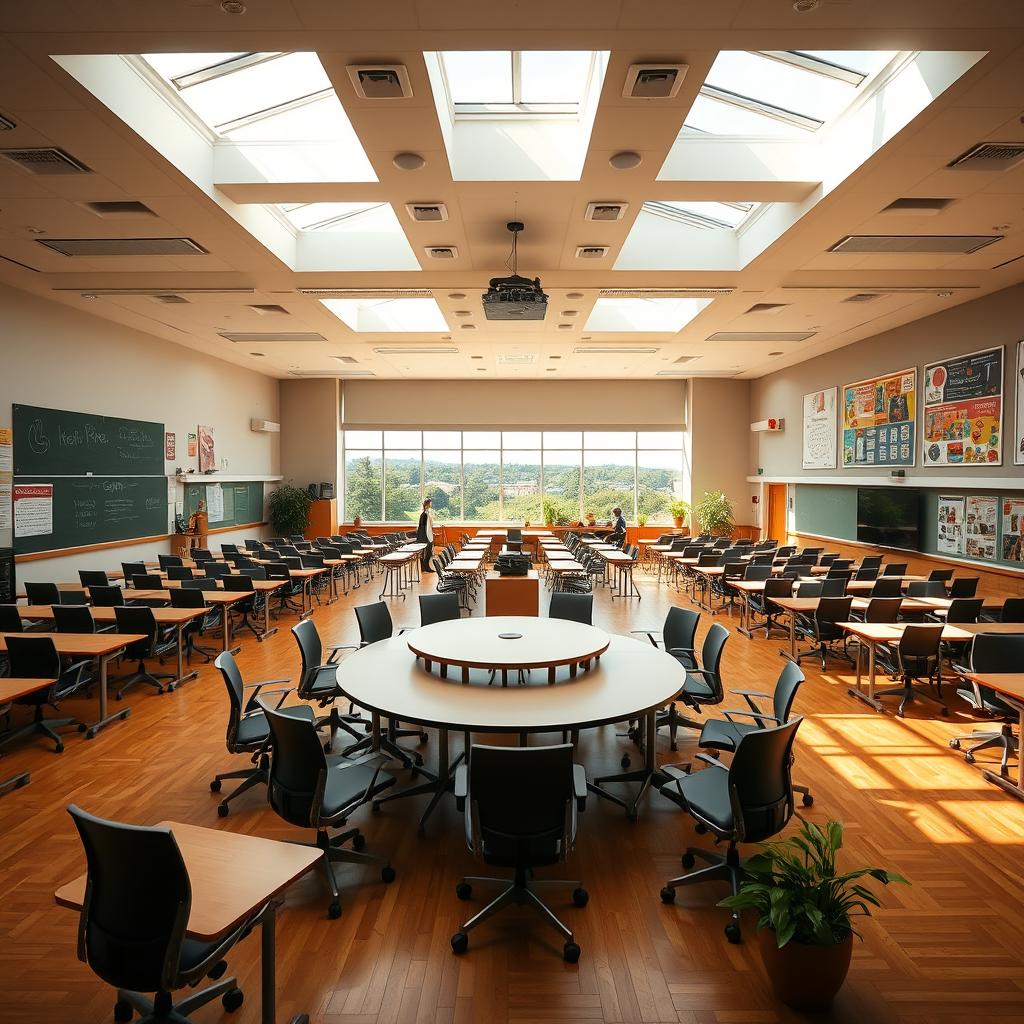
point(513, 475)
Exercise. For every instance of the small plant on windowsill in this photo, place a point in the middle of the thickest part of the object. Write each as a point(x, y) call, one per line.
point(550, 512)
point(288, 508)
point(678, 510)
point(641, 520)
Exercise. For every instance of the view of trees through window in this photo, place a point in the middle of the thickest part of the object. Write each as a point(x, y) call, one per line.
point(488, 476)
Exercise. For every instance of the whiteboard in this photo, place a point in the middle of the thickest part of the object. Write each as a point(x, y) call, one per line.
point(819, 429)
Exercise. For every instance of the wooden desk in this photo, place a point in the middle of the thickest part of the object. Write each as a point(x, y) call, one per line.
point(558, 568)
point(1009, 686)
point(103, 647)
point(232, 876)
point(512, 595)
point(397, 577)
point(621, 565)
point(11, 689)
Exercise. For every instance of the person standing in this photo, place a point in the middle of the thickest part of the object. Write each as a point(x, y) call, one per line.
point(618, 523)
point(425, 535)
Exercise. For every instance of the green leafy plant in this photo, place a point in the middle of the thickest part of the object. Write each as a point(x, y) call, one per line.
point(794, 887)
point(641, 520)
point(288, 508)
point(679, 509)
point(714, 514)
point(550, 511)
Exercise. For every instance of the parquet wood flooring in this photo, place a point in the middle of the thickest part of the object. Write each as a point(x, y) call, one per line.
point(945, 949)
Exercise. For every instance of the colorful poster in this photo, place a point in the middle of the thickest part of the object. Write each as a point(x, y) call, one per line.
point(819, 437)
point(980, 529)
point(193, 446)
point(1013, 529)
point(950, 533)
point(207, 450)
point(963, 410)
point(33, 509)
point(5, 502)
point(1018, 447)
point(6, 450)
point(170, 446)
point(878, 420)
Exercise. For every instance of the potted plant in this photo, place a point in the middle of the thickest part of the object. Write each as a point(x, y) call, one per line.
point(591, 519)
point(805, 912)
point(714, 514)
point(357, 522)
point(550, 512)
point(288, 508)
point(678, 510)
point(641, 520)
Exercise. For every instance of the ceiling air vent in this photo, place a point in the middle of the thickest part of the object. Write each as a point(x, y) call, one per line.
point(653, 81)
point(6, 124)
point(916, 206)
point(618, 350)
point(591, 252)
point(442, 252)
point(427, 212)
point(863, 297)
point(258, 338)
point(170, 299)
point(516, 359)
point(331, 373)
point(117, 209)
point(768, 307)
point(990, 156)
point(344, 359)
point(685, 359)
point(696, 373)
point(761, 336)
point(956, 244)
point(380, 81)
point(269, 309)
point(48, 160)
point(605, 211)
point(367, 293)
point(123, 246)
point(662, 293)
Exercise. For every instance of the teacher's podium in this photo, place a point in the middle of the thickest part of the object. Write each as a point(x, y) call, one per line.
point(512, 595)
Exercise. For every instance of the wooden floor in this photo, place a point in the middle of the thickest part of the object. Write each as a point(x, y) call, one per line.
point(948, 948)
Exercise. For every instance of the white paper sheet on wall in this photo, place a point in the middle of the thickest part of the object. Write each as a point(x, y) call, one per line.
point(214, 503)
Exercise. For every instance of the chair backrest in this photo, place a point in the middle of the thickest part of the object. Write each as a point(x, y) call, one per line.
point(926, 588)
point(760, 787)
point(148, 581)
point(292, 562)
point(809, 588)
point(838, 573)
point(33, 657)
point(866, 573)
point(298, 765)
point(997, 652)
point(827, 558)
point(711, 657)
point(786, 551)
point(964, 609)
point(439, 608)
point(252, 572)
point(74, 597)
point(895, 569)
point(277, 572)
point(200, 584)
point(871, 562)
point(708, 559)
point(374, 622)
point(179, 572)
point(217, 570)
point(811, 552)
point(165, 561)
point(93, 577)
point(229, 549)
point(574, 607)
point(790, 679)
point(963, 586)
point(733, 570)
point(136, 619)
point(833, 586)
point(777, 586)
point(252, 544)
point(941, 575)
point(10, 619)
point(883, 609)
point(137, 903)
point(106, 597)
point(311, 561)
point(680, 629)
point(765, 558)
point(73, 618)
point(833, 609)
point(1013, 610)
point(131, 569)
point(187, 598)
point(237, 583)
point(42, 593)
point(757, 572)
point(235, 686)
point(201, 555)
point(919, 648)
point(311, 651)
point(519, 794)
point(887, 587)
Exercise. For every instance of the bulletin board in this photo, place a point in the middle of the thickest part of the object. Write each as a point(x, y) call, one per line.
point(878, 420)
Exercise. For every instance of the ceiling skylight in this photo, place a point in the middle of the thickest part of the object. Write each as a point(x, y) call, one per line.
point(421, 316)
point(338, 216)
point(780, 92)
point(703, 214)
point(652, 316)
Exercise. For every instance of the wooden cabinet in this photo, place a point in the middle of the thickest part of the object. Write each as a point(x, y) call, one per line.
point(512, 595)
point(323, 519)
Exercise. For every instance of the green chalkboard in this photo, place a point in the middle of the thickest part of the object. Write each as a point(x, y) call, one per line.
point(56, 442)
point(243, 503)
point(92, 510)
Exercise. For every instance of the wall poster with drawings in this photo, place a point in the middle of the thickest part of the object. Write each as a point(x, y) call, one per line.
point(981, 530)
point(878, 420)
point(1013, 529)
point(949, 537)
point(819, 433)
point(1018, 447)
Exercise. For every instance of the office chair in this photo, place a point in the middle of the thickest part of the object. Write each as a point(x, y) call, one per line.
point(166, 561)
point(36, 657)
point(764, 604)
point(199, 584)
point(109, 596)
point(217, 570)
point(963, 586)
point(940, 576)
point(895, 569)
point(926, 588)
point(991, 652)
point(521, 806)
point(887, 587)
point(42, 593)
point(248, 732)
point(916, 657)
point(869, 574)
point(147, 581)
point(10, 619)
point(750, 801)
point(439, 608)
point(758, 571)
point(132, 930)
point(228, 549)
point(834, 586)
point(677, 637)
point(179, 572)
point(961, 610)
point(130, 569)
point(240, 583)
point(1012, 610)
point(725, 734)
point(76, 618)
point(703, 685)
point(93, 578)
point(157, 643)
point(201, 555)
point(311, 790)
point(871, 562)
point(574, 607)
point(190, 597)
point(823, 631)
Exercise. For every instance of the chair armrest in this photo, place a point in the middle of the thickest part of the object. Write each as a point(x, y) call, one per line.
point(461, 786)
point(651, 634)
point(369, 757)
point(750, 693)
point(251, 704)
point(334, 648)
point(262, 683)
point(712, 761)
point(404, 629)
point(579, 786)
point(729, 712)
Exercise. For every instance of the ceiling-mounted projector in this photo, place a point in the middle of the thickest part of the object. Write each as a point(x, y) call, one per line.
point(515, 297)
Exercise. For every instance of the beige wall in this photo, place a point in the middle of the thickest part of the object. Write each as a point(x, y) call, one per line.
point(309, 432)
point(55, 356)
point(719, 445)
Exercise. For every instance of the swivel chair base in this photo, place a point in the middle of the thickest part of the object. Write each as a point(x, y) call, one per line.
point(724, 867)
point(162, 1010)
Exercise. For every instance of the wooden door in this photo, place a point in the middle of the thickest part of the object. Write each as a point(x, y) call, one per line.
point(776, 517)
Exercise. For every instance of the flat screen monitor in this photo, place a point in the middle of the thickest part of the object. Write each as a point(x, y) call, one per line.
point(889, 517)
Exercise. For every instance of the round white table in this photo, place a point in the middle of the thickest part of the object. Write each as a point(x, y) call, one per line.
point(632, 680)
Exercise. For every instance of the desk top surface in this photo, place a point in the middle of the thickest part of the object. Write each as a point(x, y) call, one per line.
point(91, 644)
point(1009, 683)
point(12, 688)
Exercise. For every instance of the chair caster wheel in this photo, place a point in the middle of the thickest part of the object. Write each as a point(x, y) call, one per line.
point(222, 810)
point(123, 1011)
point(387, 873)
point(969, 757)
point(732, 933)
point(945, 711)
point(460, 942)
point(82, 727)
point(334, 911)
point(59, 748)
point(954, 743)
point(232, 999)
point(215, 786)
point(808, 800)
point(219, 969)
point(668, 894)
point(418, 760)
point(580, 897)
point(463, 890)
point(700, 829)
point(375, 807)
point(688, 860)
point(625, 762)
point(358, 842)
point(571, 953)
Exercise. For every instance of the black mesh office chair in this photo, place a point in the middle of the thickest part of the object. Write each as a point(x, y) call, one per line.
point(242, 612)
point(963, 586)
point(823, 632)
point(439, 608)
point(916, 656)
point(217, 570)
point(887, 587)
point(93, 578)
point(926, 588)
point(42, 593)
point(520, 806)
point(76, 618)
point(108, 596)
point(871, 562)
point(190, 597)
point(750, 801)
point(179, 572)
point(574, 607)
point(677, 636)
point(248, 732)
point(866, 574)
point(132, 930)
point(703, 686)
point(311, 790)
point(764, 604)
point(36, 657)
point(130, 569)
point(157, 643)
point(895, 569)
point(165, 561)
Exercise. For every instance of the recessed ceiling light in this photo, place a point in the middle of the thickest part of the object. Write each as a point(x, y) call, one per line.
point(626, 160)
point(944, 295)
point(256, 355)
point(554, 357)
point(481, 369)
point(574, 295)
point(442, 252)
point(456, 295)
point(476, 357)
point(408, 161)
point(463, 312)
point(570, 312)
point(232, 6)
point(565, 327)
point(467, 327)
point(775, 353)
point(36, 231)
point(551, 369)
point(89, 295)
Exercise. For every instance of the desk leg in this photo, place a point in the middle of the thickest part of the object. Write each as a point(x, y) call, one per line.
point(869, 697)
point(268, 969)
point(791, 656)
point(307, 598)
point(181, 676)
point(267, 629)
point(1014, 789)
point(744, 627)
point(226, 622)
point(334, 585)
point(105, 719)
point(14, 782)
